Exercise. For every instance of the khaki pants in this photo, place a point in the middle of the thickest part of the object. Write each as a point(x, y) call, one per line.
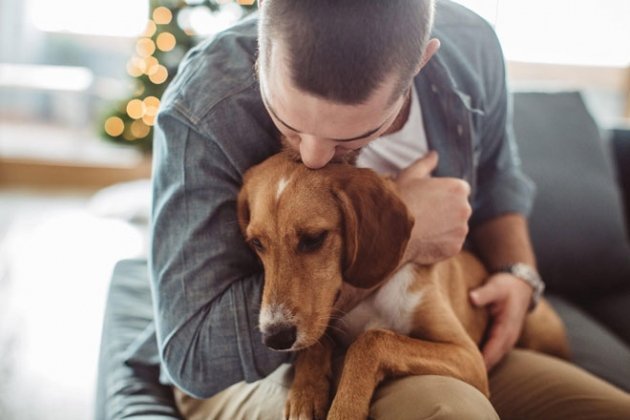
point(526, 385)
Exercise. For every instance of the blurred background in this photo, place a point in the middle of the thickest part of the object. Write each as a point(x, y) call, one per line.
point(80, 85)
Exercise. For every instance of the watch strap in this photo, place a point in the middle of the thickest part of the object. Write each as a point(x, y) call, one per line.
point(529, 275)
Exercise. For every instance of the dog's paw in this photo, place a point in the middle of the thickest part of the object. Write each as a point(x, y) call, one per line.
point(307, 403)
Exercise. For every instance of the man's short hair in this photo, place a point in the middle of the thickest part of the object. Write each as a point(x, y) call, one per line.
point(342, 50)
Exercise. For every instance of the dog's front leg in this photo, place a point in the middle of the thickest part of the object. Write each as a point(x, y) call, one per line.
point(309, 396)
point(378, 354)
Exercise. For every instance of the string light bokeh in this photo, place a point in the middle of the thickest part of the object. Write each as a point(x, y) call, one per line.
point(174, 26)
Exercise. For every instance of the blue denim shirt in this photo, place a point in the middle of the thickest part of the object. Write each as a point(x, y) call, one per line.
point(212, 126)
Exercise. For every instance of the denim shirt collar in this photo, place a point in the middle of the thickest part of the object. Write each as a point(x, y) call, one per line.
point(447, 113)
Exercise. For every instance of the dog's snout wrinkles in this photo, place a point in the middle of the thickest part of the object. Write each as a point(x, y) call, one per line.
point(280, 337)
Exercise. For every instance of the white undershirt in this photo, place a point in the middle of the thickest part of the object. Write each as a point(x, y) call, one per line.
point(390, 154)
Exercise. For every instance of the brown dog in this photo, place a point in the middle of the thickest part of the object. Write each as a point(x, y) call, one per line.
point(313, 230)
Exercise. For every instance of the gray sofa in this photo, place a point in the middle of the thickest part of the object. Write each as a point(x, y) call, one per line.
point(578, 230)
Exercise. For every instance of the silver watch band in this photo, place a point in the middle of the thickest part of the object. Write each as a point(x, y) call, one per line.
point(530, 276)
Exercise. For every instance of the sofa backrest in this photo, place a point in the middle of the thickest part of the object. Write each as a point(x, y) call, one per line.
point(577, 222)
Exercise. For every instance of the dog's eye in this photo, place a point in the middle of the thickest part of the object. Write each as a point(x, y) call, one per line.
point(310, 243)
point(256, 244)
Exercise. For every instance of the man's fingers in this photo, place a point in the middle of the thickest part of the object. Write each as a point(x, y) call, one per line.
point(501, 340)
point(485, 294)
point(422, 167)
point(495, 348)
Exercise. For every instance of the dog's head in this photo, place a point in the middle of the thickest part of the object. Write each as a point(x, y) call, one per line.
point(314, 229)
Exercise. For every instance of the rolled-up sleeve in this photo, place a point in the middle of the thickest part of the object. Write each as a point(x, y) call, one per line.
point(206, 283)
point(502, 187)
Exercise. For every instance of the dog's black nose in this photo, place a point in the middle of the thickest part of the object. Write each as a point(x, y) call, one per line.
point(280, 337)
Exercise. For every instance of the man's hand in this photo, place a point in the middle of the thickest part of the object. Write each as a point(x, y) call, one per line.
point(440, 208)
point(508, 299)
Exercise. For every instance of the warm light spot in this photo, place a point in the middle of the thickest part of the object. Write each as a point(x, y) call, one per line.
point(162, 16)
point(128, 134)
point(160, 75)
point(145, 47)
point(135, 108)
point(149, 119)
point(139, 129)
point(136, 66)
point(246, 2)
point(114, 126)
point(151, 104)
point(150, 65)
point(151, 111)
point(151, 101)
point(133, 69)
point(149, 31)
point(166, 41)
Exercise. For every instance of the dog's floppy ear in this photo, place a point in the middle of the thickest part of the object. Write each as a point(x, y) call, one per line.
point(242, 209)
point(377, 226)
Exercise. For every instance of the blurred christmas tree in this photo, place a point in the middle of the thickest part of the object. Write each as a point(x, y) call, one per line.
point(173, 28)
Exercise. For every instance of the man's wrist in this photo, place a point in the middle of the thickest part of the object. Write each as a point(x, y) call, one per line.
point(529, 275)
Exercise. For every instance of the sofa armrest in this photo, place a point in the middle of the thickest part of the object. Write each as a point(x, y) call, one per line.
point(128, 388)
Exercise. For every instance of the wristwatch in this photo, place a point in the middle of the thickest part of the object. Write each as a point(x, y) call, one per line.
point(530, 276)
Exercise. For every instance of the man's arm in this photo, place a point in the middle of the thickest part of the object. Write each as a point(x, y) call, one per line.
point(503, 241)
point(206, 283)
point(503, 198)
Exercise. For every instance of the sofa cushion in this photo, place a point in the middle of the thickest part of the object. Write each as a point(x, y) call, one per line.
point(577, 224)
point(130, 388)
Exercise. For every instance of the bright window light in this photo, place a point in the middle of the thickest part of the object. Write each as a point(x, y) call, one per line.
point(123, 18)
point(560, 31)
point(77, 79)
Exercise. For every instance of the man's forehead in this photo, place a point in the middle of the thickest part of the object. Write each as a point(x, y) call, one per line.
point(297, 109)
point(275, 74)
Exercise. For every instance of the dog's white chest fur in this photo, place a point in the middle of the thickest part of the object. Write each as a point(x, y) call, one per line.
point(391, 307)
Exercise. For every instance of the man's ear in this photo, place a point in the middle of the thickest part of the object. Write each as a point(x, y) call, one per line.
point(429, 51)
point(376, 227)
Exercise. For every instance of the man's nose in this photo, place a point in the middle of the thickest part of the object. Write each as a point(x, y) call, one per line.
point(316, 152)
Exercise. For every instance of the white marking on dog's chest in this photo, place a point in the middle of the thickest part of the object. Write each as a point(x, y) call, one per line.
point(281, 187)
point(392, 307)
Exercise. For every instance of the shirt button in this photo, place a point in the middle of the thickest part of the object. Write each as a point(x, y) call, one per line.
point(460, 129)
point(434, 88)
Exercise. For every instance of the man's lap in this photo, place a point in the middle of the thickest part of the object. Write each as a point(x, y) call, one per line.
point(530, 385)
point(594, 348)
point(524, 385)
point(411, 397)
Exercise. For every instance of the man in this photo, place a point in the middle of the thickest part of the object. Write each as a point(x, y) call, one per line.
point(334, 77)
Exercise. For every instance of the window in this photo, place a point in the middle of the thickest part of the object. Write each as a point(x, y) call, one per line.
point(125, 18)
point(560, 31)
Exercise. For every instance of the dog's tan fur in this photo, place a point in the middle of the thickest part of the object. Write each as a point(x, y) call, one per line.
point(367, 228)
